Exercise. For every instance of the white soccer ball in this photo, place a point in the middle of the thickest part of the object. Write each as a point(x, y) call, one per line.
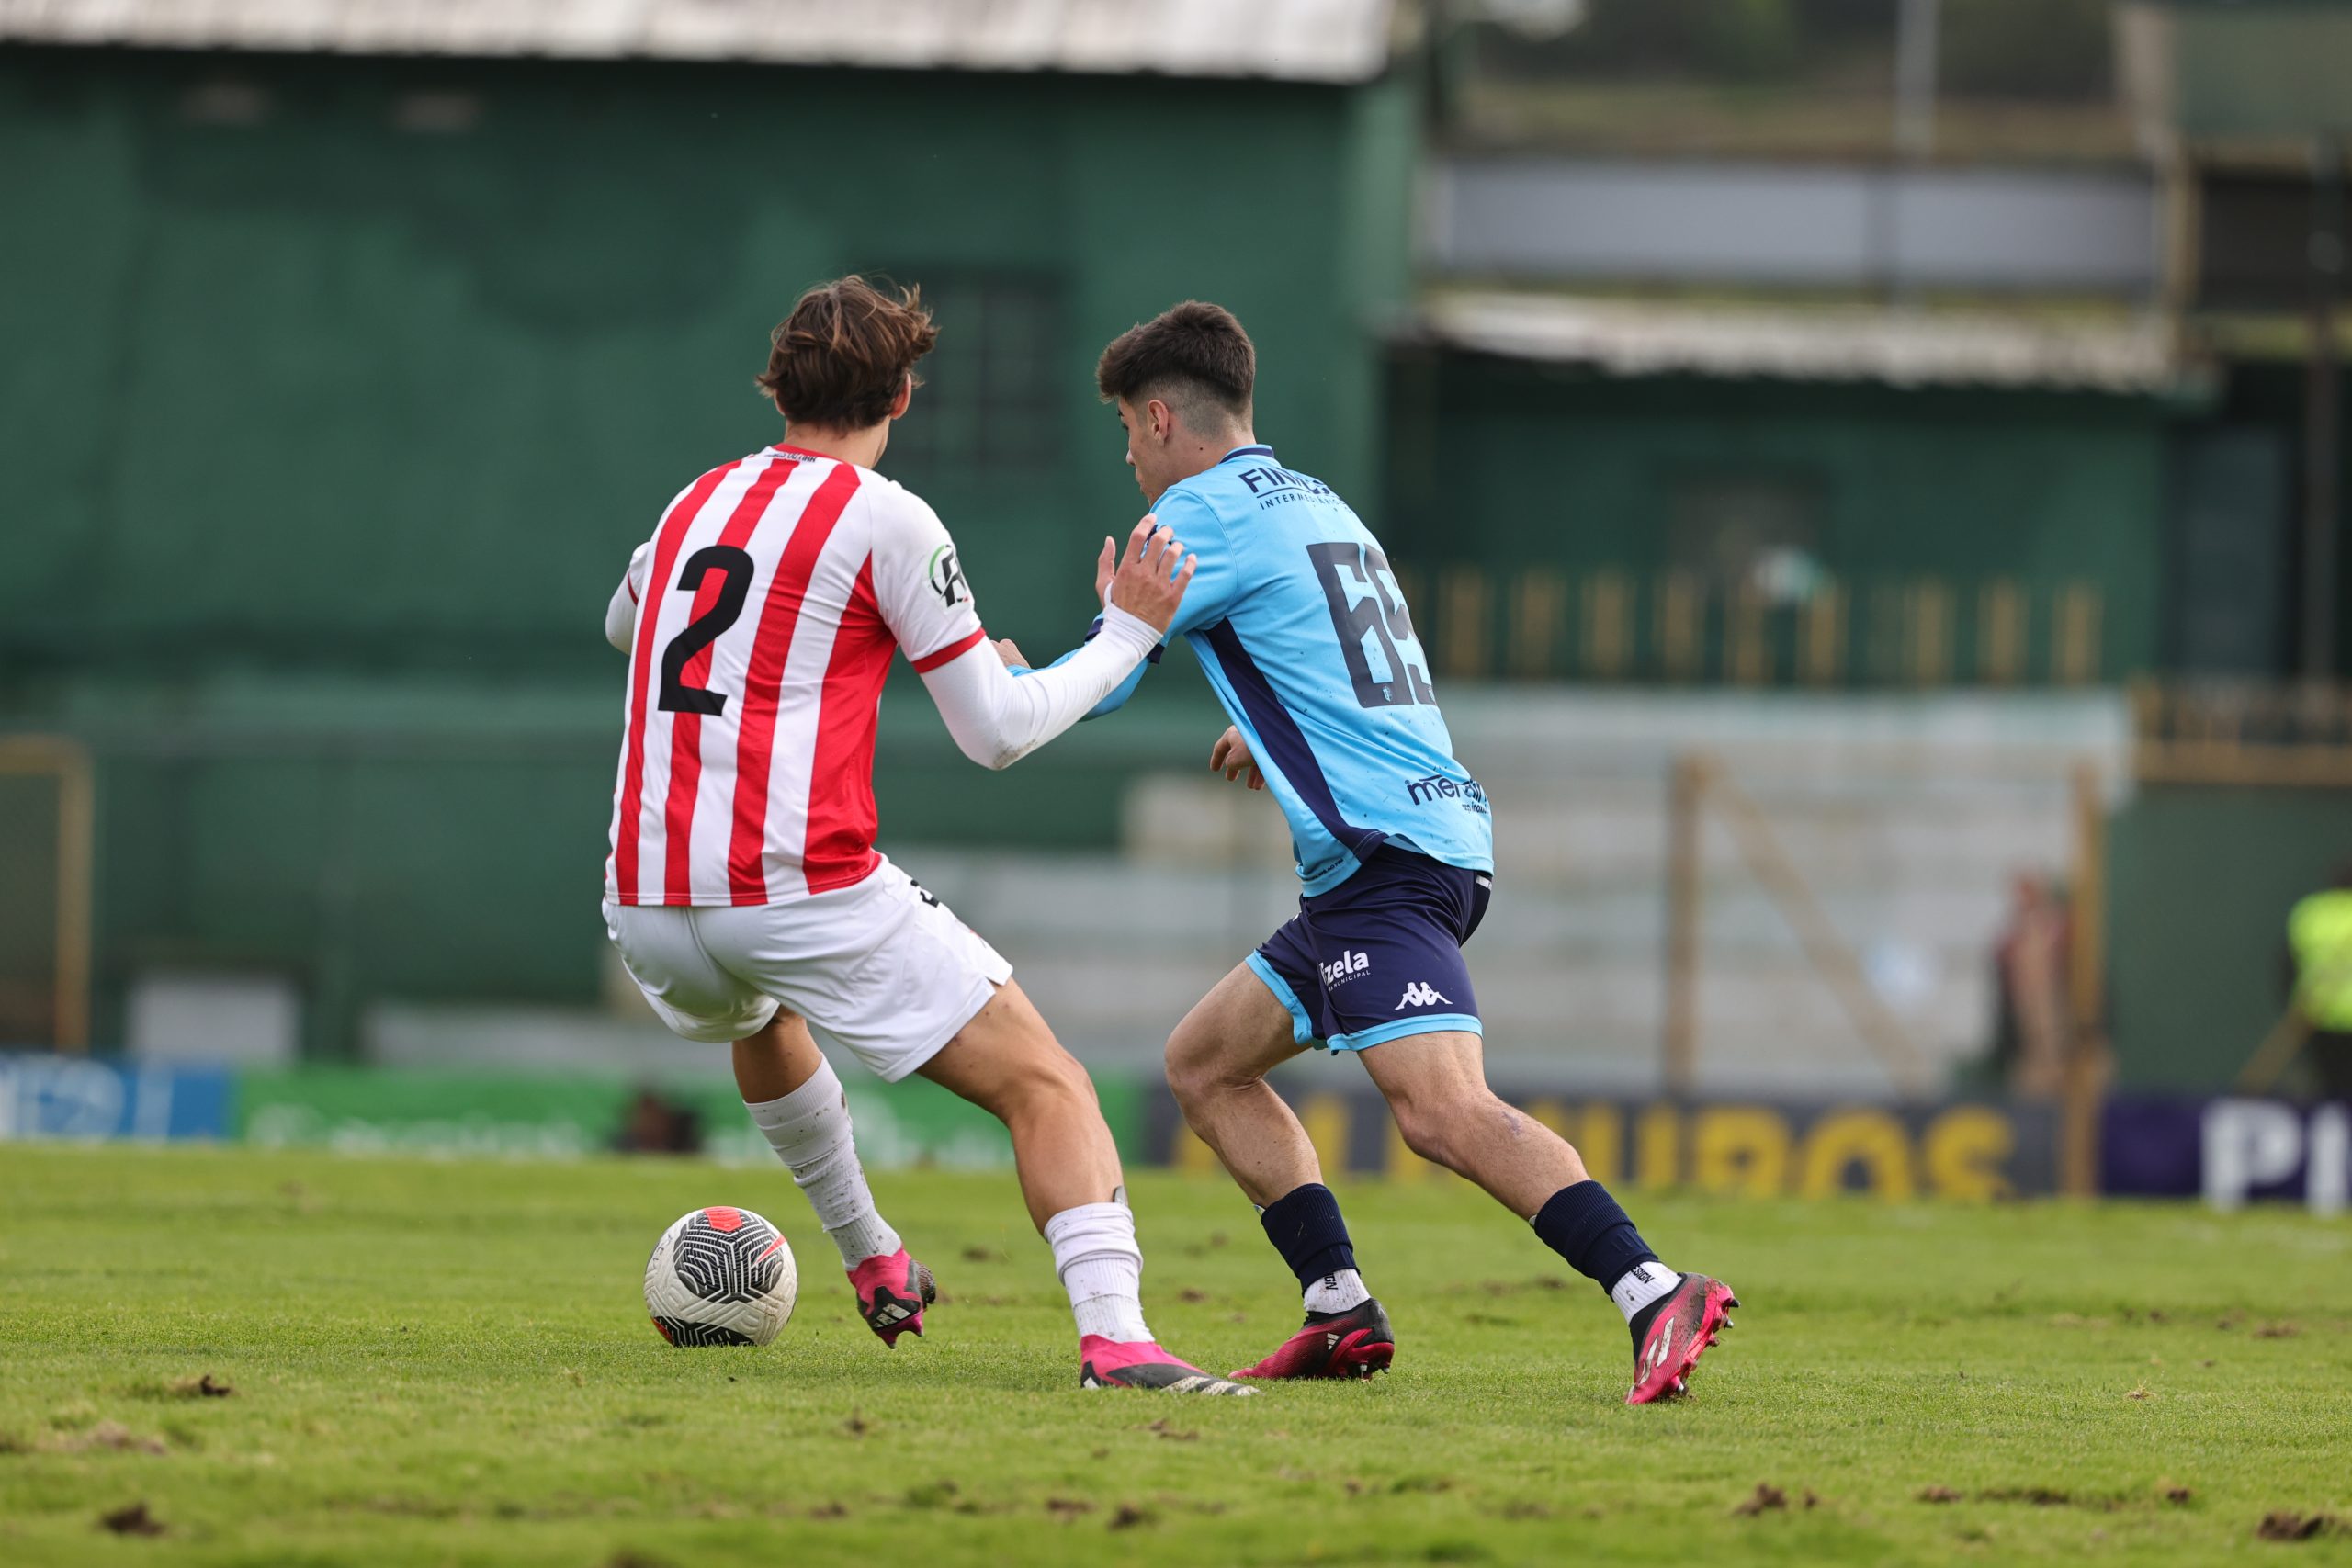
point(720, 1276)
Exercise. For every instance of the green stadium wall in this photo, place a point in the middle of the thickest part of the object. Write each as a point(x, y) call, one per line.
point(325, 441)
point(321, 390)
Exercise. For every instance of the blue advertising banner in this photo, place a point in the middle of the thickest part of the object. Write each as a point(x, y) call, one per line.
point(2227, 1151)
point(87, 1099)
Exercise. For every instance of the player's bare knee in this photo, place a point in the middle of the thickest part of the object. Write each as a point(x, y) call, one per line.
point(1425, 1128)
point(1043, 1082)
point(1191, 1062)
point(1199, 1073)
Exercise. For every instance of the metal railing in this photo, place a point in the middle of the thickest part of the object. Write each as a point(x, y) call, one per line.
point(1611, 624)
point(2243, 732)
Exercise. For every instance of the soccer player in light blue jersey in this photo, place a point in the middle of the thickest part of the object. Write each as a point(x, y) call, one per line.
point(1297, 619)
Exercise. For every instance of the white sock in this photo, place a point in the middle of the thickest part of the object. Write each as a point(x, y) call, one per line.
point(1642, 1284)
point(809, 1131)
point(1336, 1292)
point(1101, 1268)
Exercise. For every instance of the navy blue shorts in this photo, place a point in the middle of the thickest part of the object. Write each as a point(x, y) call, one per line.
point(1379, 957)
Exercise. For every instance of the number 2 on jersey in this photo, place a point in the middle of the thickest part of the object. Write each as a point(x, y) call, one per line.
point(1381, 614)
point(705, 628)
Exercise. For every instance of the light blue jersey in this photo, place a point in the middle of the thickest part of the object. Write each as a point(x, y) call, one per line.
point(1297, 619)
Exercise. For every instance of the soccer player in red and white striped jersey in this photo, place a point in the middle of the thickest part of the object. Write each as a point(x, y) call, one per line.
point(744, 891)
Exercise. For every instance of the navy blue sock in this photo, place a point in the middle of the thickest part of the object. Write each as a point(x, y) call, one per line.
point(1584, 1224)
point(1305, 1229)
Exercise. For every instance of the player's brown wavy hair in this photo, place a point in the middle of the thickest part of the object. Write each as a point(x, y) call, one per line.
point(842, 355)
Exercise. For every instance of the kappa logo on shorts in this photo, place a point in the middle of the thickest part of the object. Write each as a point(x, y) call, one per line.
point(1418, 995)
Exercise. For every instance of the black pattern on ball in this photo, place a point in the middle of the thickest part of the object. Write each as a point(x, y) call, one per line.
point(695, 1335)
point(727, 1265)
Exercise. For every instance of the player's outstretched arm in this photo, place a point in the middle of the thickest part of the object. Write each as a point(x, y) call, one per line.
point(997, 718)
point(1019, 664)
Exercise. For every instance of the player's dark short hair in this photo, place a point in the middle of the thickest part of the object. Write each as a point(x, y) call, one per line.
point(1194, 357)
point(842, 355)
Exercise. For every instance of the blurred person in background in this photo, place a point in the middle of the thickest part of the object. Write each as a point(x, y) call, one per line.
point(2319, 943)
point(2030, 971)
point(654, 1124)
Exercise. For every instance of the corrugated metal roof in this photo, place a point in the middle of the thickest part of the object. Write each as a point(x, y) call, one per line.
point(1306, 40)
point(1898, 346)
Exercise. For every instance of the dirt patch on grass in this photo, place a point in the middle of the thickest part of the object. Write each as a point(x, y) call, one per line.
point(1161, 1428)
point(2286, 1524)
point(1508, 1287)
point(2041, 1496)
point(1067, 1508)
point(1129, 1516)
point(1765, 1499)
point(106, 1435)
point(133, 1520)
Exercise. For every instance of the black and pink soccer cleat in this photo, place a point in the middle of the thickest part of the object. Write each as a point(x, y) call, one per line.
point(1114, 1363)
point(892, 1289)
point(1671, 1334)
point(1352, 1344)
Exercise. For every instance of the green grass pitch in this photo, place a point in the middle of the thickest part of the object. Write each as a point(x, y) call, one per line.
point(448, 1363)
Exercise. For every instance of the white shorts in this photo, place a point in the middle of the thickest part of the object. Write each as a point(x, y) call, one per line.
point(881, 968)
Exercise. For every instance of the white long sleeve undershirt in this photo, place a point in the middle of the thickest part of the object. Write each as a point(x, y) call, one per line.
point(997, 717)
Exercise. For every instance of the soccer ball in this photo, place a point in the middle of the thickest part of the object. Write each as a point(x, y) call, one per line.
point(720, 1276)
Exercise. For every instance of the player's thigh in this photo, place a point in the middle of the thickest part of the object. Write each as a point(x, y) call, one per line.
point(1005, 1054)
point(882, 969)
point(1429, 1073)
point(1240, 1031)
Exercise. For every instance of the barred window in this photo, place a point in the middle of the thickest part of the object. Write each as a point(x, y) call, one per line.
point(989, 408)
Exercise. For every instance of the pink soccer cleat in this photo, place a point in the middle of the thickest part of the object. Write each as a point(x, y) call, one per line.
point(1352, 1344)
point(892, 1289)
point(1681, 1328)
point(1116, 1363)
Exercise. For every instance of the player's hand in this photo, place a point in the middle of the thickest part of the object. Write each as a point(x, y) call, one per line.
point(1230, 756)
point(1008, 651)
point(1150, 582)
point(1104, 565)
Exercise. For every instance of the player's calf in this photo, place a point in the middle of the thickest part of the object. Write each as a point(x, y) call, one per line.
point(810, 1130)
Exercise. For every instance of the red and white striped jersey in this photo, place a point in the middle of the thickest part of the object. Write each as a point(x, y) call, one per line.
point(768, 605)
